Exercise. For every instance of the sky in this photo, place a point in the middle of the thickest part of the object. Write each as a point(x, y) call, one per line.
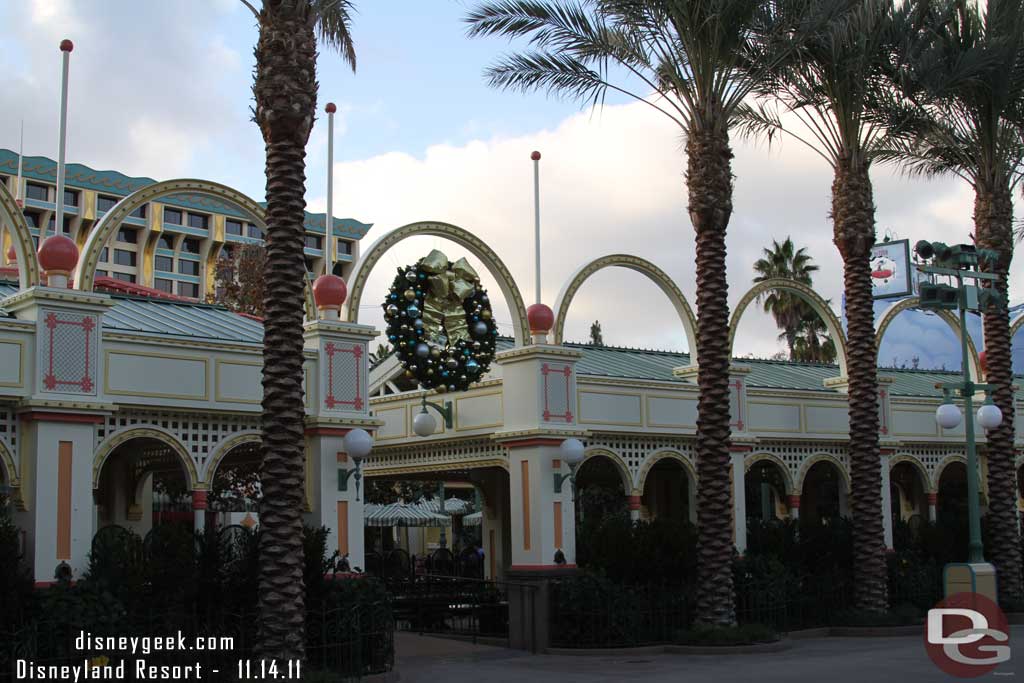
point(163, 89)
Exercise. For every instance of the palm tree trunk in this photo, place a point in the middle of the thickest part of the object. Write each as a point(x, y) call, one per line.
point(285, 90)
point(709, 180)
point(853, 216)
point(993, 224)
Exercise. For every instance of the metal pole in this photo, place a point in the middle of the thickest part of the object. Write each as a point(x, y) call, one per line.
point(66, 46)
point(329, 219)
point(975, 547)
point(536, 221)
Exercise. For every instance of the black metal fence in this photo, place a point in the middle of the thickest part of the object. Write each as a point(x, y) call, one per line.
point(460, 606)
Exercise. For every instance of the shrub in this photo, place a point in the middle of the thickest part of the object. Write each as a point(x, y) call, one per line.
point(658, 551)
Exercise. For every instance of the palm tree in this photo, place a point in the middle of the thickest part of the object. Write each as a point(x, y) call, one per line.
point(285, 89)
point(823, 98)
point(812, 343)
point(963, 117)
point(787, 262)
point(690, 61)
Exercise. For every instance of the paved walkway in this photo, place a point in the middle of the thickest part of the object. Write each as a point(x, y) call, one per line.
point(833, 660)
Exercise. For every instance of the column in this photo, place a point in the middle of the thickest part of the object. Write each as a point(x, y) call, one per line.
point(739, 498)
point(886, 502)
point(60, 485)
point(793, 503)
point(634, 500)
point(494, 528)
point(333, 499)
point(199, 510)
point(933, 507)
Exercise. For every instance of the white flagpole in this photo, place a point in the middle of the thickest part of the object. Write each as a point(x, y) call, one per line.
point(536, 221)
point(21, 163)
point(329, 219)
point(66, 46)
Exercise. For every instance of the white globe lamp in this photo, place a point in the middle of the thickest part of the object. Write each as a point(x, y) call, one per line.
point(424, 423)
point(989, 416)
point(358, 444)
point(572, 452)
point(948, 416)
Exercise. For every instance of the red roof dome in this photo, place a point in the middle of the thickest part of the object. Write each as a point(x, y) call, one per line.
point(58, 254)
point(329, 291)
point(541, 318)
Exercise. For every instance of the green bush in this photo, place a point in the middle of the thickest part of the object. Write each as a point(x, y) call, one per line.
point(658, 551)
point(15, 580)
point(747, 634)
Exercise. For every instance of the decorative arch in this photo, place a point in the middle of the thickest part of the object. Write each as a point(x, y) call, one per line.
point(922, 471)
point(814, 460)
point(8, 465)
point(637, 265)
point(616, 459)
point(943, 464)
point(460, 236)
point(810, 297)
point(85, 274)
point(1016, 325)
point(225, 447)
point(954, 324)
point(21, 238)
point(653, 459)
point(787, 476)
point(144, 432)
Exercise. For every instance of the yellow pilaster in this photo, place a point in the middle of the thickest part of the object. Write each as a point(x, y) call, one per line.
point(88, 205)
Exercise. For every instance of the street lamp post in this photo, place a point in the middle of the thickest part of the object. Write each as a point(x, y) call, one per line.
point(957, 264)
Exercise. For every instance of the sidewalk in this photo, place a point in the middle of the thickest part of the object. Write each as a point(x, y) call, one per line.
point(835, 660)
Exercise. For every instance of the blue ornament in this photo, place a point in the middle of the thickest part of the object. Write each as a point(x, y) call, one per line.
point(444, 373)
point(413, 311)
point(392, 337)
point(394, 297)
point(422, 350)
point(479, 329)
point(472, 366)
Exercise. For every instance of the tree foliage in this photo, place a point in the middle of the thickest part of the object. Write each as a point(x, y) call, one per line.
point(238, 279)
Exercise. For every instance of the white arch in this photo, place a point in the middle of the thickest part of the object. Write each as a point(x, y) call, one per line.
point(787, 477)
point(917, 466)
point(665, 454)
point(616, 459)
point(818, 458)
point(951, 320)
point(145, 432)
point(224, 448)
point(21, 239)
point(637, 265)
point(460, 236)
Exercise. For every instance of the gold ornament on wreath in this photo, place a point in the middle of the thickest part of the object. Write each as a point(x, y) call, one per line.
point(440, 323)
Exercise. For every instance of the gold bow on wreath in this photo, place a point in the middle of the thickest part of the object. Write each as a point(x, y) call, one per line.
point(449, 284)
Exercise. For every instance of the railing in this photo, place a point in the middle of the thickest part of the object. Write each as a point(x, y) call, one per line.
point(469, 608)
point(398, 566)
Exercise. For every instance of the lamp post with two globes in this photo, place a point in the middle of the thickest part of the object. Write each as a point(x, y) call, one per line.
point(955, 264)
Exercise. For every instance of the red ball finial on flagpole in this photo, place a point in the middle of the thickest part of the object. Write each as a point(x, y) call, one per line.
point(535, 156)
point(330, 108)
point(66, 45)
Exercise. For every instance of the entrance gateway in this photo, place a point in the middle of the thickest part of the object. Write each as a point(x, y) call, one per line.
point(100, 391)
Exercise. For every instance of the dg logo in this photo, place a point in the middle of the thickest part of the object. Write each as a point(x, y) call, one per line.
point(967, 635)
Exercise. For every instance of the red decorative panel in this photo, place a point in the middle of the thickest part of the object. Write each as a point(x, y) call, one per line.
point(344, 383)
point(883, 414)
point(736, 393)
point(67, 352)
point(557, 382)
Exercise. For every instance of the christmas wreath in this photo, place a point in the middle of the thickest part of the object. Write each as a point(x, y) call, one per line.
point(440, 323)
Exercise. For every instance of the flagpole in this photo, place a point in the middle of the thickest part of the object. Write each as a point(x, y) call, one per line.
point(536, 221)
point(66, 46)
point(21, 159)
point(329, 219)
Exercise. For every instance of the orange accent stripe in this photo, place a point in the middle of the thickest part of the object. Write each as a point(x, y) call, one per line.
point(558, 524)
point(494, 560)
point(343, 527)
point(524, 467)
point(64, 501)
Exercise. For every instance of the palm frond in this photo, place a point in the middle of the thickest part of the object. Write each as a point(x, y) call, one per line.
point(333, 25)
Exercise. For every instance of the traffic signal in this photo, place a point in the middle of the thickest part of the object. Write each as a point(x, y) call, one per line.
point(934, 296)
point(940, 251)
point(959, 256)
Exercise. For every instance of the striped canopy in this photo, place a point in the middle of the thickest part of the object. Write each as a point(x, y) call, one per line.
point(474, 519)
point(402, 514)
point(452, 506)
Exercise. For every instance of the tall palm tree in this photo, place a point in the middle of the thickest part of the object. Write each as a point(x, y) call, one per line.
point(285, 89)
point(690, 61)
point(963, 117)
point(813, 345)
point(787, 262)
point(823, 98)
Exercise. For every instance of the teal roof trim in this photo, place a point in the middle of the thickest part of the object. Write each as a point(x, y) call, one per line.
point(79, 176)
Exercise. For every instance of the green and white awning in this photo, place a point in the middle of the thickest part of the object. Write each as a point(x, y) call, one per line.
point(402, 514)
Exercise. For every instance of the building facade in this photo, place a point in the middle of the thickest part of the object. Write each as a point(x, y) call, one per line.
point(170, 245)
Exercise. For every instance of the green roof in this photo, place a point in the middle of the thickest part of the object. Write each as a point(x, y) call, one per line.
point(115, 183)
